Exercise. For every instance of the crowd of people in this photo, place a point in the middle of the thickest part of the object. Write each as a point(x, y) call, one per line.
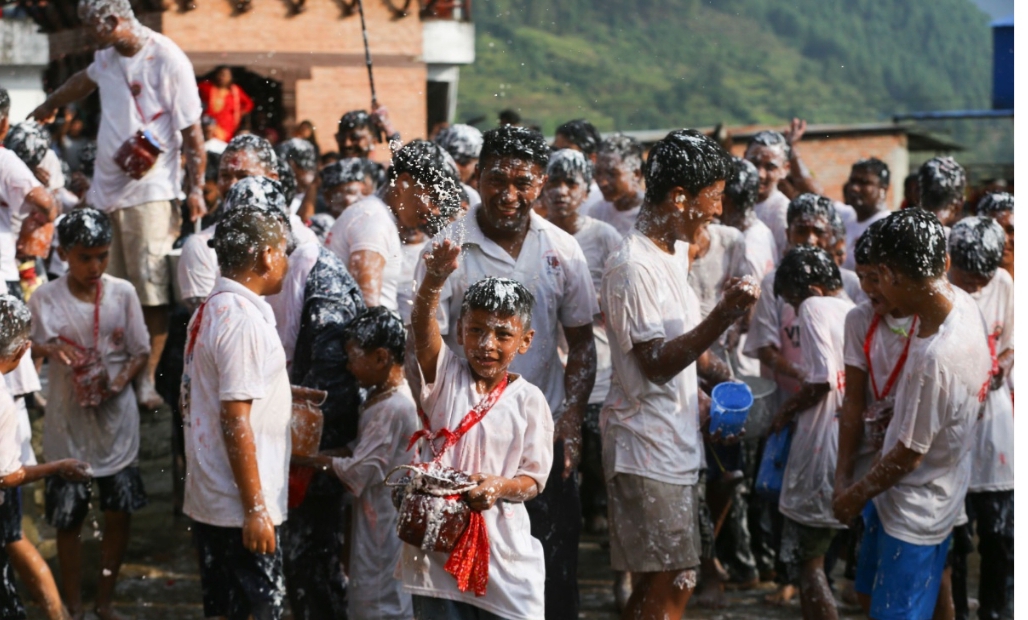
point(511, 342)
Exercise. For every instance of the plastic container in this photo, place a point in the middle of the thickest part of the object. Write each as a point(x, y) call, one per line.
point(730, 404)
point(762, 413)
point(772, 465)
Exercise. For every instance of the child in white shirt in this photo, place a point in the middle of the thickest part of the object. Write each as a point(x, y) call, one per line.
point(808, 279)
point(236, 407)
point(91, 322)
point(509, 452)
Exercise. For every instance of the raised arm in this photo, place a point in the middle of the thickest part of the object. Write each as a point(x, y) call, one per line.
point(366, 267)
point(78, 86)
point(258, 528)
point(439, 264)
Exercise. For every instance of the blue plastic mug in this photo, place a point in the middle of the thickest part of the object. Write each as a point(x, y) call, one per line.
point(730, 404)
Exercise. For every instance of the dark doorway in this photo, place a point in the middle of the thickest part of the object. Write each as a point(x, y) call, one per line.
point(438, 104)
point(268, 114)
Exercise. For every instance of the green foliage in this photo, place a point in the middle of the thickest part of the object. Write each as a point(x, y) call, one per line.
point(646, 64)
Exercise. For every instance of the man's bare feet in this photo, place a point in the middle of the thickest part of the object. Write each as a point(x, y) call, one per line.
point(146, 394)
point(782, 596)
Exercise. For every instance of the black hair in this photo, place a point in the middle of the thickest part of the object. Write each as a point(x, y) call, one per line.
point(997, 202)
point(256, 145)
point(809, 206)
point(510, 116)
point(15, 325)
point(462, 142)
point(300, 152)
point(5, 103)
point(569, 163)
point(432, 168)
point(862, 249)
point(625, 148)
point(329, 156)
point(500, 296)
point(876, 167)
point(286, 180)
point(684, 158)
point(516, 142)
point(355, 119)
point(805, 266)
point(87, 157)
point(84, 227)
point(244, 233)
point(29, 141)
point(771, 139)
point(349, 170)
point(378, 328)
point(976, 245)
point(742, 184)
point(912, 242)
point(582, 134)
point(259, 192)
point(942, 181)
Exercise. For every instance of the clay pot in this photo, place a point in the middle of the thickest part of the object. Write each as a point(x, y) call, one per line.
point(433, 514)
point(35, 237)
point(307, 421)
point(138, 154)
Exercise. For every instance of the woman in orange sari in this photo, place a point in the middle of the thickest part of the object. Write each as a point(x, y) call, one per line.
point(225, 102)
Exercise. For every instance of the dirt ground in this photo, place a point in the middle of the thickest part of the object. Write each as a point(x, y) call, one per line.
point(159, 580)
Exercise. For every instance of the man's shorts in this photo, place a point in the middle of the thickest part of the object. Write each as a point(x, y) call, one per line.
point(143, 237)
point(10, 605)
point(902, 578)
point(67, 502)
point(802, 543)
point(654, 526)
point(10, 516)
point(236, 582)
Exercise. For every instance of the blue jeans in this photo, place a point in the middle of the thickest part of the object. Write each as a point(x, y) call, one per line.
point(427, 608)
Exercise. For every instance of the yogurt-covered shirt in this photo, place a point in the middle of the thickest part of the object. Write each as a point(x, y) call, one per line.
point(622, 221)
point(773, 212)
point(598, 241)
point(16, 182)
point(369, 225)
point(10, 448)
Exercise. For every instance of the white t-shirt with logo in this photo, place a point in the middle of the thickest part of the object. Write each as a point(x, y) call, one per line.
point(16, 182)
point(937, 405)
point(170, 101)
point(598, 241)
point(622, 221)
point(649, 429)
point(236, 356)
point(809, 476)
point(773, 212)
point(369, 225)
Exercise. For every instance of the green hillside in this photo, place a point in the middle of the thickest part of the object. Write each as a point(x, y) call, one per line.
point(638, 64)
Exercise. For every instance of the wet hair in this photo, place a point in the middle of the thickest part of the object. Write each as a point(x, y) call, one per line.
point(976, 245)
point(462, 142)
point(432, 168)
point(625, 148)
point(84, 227)
point(256, 192)
point(286, 180)
point(5, 104)
point(15, 325)
point(510, 116)
point(243, 234)
point(742, 184)
point(29, 141)
point(875, 166)
point(516, 142)
point(772, 139)
point(582, 134)
point(862, 249)
point(378, 328)
point(254, 144)
point(349, 170)
point(684, 158)
point(942, 181)
point(912, 242)
point(806, 206)
point(500, 296)
point(805, 266)
point(300, 152)
point(355, 119)
point(569, 163)
point(994, 203)
point(102, 9)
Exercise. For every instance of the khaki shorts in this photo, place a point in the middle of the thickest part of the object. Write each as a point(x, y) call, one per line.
point(143, 237)
point(654, 526)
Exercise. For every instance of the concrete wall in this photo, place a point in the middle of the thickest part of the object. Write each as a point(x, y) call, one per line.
point(23, 55)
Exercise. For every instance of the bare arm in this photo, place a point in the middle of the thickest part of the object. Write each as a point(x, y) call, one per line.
point(771, 357)
point(258, 529)
point(42, 204)
point(196, 164)
point(428, 341)
point(67, 468)
point(579, 378)
point(366, 267)
point(78, 86)
point(128, 373)
point(310, 200)
point(710, 368)
point(885, 474)
point(808, 396)
point(851, 426)
point(494, 488)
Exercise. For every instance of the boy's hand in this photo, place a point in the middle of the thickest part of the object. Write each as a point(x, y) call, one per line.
point(739, 296)
point(780, 421)
point(847, 505)
point(117, 384)
point(74, 470)
point(42, 175)
point(442, 260)
point(259, 531)
point(568, 431)
point(489, 490)
point(66, 353)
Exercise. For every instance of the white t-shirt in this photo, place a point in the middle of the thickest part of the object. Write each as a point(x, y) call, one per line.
point(236, 356)
point(992, 456)
point(198, 265)
point(20, 381)
point(851, 284)
point(886, 350)
point(16, 182)
point(622, 221)
point(724, 260)
point(774, 324)
point(474, 197)
point(288, 303)
point(383, 431)
point(552, 267)
point(773, 212)
point(649, 429)
point(52, 164)
point(809, 476)
point(108, 437)
point(515, 438)
point(937, 406)
point(164, 77)
point(856, 228)
point(405, 290)
point(598, 241)
point(10, 447)
point(594, 198)
point(370, 225)
point(761, 250)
